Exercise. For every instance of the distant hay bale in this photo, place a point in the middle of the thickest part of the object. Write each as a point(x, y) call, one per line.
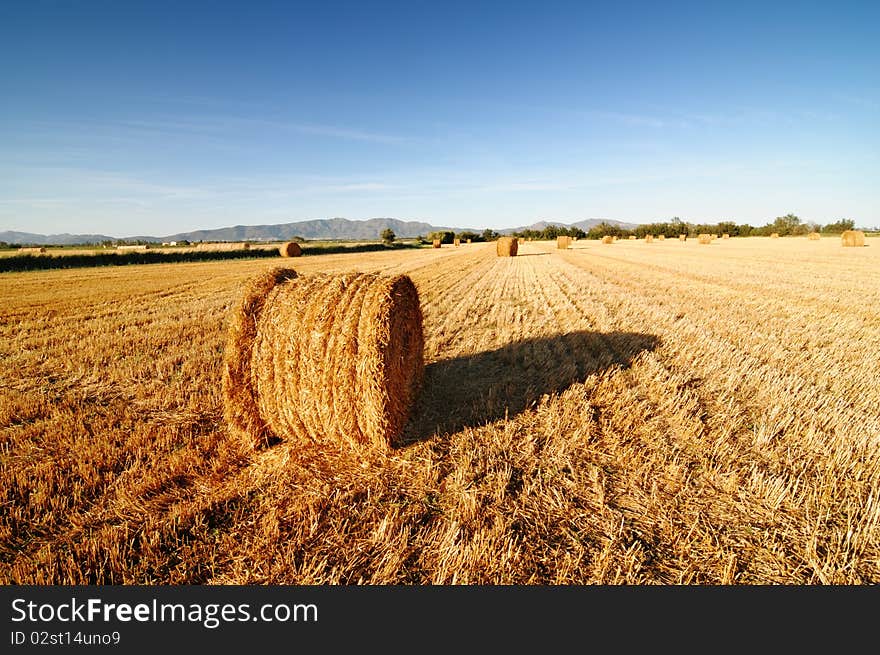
point(854, 238)
point(290, 249)
point(649, 238)
point(133, 248)
point(436, 243)
point(506, 247)
point(608, 239)
point(661, 237)
point(632, 237)
point(682, 237)
point(614, 238)
point(323, 358)
point(563, 242)
point(725, 236)
point(774, 235)
point(456, 242)
point(468, 241)
point(32, 250)
point(704, 238)
point(714, 236)
point(521, 240)
point(814, 236)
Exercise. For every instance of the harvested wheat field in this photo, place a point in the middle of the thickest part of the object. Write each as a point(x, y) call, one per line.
point(628, 415)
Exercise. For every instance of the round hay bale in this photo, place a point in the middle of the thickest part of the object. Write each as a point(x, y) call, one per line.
point(852, 238)
point(290, 249)
point(704, 238)
point(608, 239)
point(814, 236)
point(725, 236)
point(436, 243)
point(682, 237)
point(563, 242)
point(632, 237)
point(324, 358)
point(468, 241)
point(661, 237)
point(649, 238)
point(774, 236)
point(506, 247)
point(456, 242)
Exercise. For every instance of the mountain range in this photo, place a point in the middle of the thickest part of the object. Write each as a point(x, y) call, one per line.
point(331, 229)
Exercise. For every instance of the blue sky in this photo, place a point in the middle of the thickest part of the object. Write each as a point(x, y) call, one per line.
point(127, 118)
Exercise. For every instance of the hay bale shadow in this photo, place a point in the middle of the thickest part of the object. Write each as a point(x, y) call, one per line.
point(474, 390)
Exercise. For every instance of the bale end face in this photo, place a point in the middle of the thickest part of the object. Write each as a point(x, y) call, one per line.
point(290, 249)
point(852, 238)
point(506, 247)
point(324, 358)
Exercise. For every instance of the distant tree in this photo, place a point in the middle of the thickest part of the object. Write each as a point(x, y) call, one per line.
point(785, 225)
point(388, 235)
point(445, 236)
point(842, 225)
point(464, 236)
point(489, 235)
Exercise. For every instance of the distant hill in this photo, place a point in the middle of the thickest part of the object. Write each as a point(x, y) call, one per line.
point(585, 225)
point(320, 229)
point(328, 228)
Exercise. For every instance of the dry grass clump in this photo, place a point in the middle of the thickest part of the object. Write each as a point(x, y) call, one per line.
point(506, 247)
point(223, 247)
point(704, 238)
point(290, 249)
point(32, 251)
point(774, 235)
point(324, 358)
point(854, 238)
point(814, 236)
point(607, 239)
point(563, 242)
point(649, 238)
point(436, 243)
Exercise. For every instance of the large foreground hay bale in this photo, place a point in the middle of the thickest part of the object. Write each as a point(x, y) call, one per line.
point(608, 239)
point(814, 236)
point(506, 247)
point(563, 242)
point(704, 238)
point(290, 249)
point(853, 238)
point(323, 357)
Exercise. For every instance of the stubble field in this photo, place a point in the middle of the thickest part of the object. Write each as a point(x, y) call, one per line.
point(627, 413)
